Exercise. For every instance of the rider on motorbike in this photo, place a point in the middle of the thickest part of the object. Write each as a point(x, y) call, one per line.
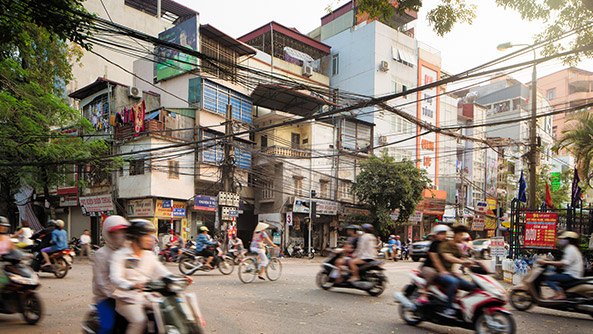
point(572, 263)
point(349, 248)
point(365, 252)
point(114, 234)
point(5, 243)
point(59, 239)
point(450, 254)
point(46, 234)
point(131, 269)
point(202, 245)
point(433, 264)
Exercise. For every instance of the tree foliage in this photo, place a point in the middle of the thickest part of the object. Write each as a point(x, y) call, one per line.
point(577, 139)
point(385, 185)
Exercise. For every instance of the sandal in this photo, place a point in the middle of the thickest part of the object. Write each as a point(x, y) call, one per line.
point(261, 278)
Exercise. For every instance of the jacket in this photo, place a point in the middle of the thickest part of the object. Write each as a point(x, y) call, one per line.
point(103, 288)
point(202, 241)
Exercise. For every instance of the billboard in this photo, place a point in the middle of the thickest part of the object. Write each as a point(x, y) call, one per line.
point(540, 230)
point(491, 172)
point(171, 62)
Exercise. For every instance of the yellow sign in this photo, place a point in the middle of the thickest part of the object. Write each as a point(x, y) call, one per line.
point(490, 222)
point(184, 228)
point(161, 212)
point(506, 224)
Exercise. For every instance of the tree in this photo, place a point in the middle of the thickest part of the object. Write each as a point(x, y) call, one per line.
point(577, 139)
point(558, 15)
point(560, 195)
point(385, 185)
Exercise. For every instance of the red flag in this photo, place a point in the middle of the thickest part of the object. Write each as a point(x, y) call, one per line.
point(548, 197)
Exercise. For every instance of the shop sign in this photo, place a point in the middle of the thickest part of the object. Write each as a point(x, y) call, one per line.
point(178, 212)
point(415, 217)
point(490, 223)
point(540, 230)
point(323, 207)
point(497, 246)
point(289, 218)
point(349, 211)
point(478, 224)
point(164, 212)
point(99, 203)
point(205, 203)
point(140, 208)
point(482, 207)
point(69, 200)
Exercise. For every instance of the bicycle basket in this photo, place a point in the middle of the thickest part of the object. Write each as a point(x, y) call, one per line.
point(274, 252)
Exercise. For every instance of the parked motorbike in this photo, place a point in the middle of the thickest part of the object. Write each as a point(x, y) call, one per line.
point(372, 279)
point(18, 294)
point(481, 310)
point(579, 293)
point(61, 261)
point(76, 249)
point(170, 311)
point(190, 261)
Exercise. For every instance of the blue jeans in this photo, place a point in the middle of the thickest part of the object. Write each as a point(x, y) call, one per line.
point(560, 278)
point(452, 283)
point(106, 311)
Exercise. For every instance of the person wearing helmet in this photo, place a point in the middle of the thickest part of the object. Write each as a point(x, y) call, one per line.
point(59, 241)
point(433, 264)
point(114, 234)
point(365, 252)
point(132, 267)
point(204, 240)
point(45, 235)
point(572, 263)
point(392, 246)
point(349, 248)
point(5, 243)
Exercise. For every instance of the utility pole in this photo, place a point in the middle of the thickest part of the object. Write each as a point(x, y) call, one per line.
point(228, 167)
point(532, 139)
point(462, 195)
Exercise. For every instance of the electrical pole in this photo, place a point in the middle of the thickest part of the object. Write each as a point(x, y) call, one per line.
point(532, 139)
point(228, 166)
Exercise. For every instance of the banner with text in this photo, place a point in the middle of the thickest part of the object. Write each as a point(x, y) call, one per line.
point(540, 230)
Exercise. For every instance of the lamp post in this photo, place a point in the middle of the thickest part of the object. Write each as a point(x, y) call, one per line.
point(532, 125)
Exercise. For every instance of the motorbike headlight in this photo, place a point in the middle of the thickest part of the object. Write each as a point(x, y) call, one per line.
point(177, 285)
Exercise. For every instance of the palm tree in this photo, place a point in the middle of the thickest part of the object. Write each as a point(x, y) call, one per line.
point(577, 139)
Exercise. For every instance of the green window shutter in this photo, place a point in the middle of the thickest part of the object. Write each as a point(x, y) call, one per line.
point(194, 90)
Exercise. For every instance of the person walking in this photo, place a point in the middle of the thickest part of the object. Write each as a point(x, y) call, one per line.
point(85, 244)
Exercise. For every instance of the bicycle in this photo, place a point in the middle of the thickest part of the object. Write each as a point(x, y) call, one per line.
point(249, 267)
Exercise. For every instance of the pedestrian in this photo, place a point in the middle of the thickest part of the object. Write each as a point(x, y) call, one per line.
point(85, 244)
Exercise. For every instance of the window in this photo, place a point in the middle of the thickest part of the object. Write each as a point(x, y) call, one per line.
point(399, 154)
point(211, 150)
point(216, 98)
point(551, 94)
point(401, 126)
point(295, 140)
point(267, 190)
point(264, 141)
point(173, 169)
point(335, 64)
point(298, 186)
point(194, 94)
point(345, 189)
point(323, 188)
point(355, 135)
point(137, 167)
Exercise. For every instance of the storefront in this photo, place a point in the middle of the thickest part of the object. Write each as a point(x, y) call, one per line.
point(97, 208)
point(324, 229)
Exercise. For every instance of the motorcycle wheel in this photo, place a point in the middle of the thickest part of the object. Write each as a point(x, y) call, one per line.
point(226, 265)
point(311, 255)
point(407, 314)
point(415, 258)
point(61, 273)
point(378, 286)
point(521, 300)
point(247, 270)
point(323, 280)
point(186, 264)
point(32, 309)
point(274, 269)
point(502, 323)
point(298, 255)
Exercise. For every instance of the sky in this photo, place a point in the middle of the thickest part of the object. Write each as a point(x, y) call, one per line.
point(463, 48)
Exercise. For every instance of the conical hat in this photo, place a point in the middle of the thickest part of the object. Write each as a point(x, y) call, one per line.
point(261, 226)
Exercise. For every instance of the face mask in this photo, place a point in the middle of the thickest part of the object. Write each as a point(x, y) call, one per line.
point(563, 242)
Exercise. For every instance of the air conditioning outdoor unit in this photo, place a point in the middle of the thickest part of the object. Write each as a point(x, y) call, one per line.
point(382, 140)
point(384, 66)
point(307, 71)
point(134, 92)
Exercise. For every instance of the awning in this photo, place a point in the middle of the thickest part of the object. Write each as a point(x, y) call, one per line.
point(298, 54)
point(403, 55)
point(283, 98)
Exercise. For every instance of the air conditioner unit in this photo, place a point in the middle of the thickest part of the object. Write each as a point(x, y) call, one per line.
point(384, 66)
point(382, 140)
point(307, 71)
point(134, 92)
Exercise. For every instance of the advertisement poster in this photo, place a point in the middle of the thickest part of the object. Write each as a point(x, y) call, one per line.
point(101, 203)
point(478, 224)
point(163, 211)
point(173, 62)
point(491, 172)
point(540, 230)
point(490, 223)
point(140, 208)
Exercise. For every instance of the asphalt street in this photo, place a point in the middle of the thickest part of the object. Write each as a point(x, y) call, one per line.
point(293, 304)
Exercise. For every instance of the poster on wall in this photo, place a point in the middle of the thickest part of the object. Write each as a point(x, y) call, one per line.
point(140, 208)
point(164, 211)
point(173, 62)
point(491, 172)
point(540, 230)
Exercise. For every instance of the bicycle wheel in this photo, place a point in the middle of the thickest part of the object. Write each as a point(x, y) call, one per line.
point(274, 269)
point(247, 270)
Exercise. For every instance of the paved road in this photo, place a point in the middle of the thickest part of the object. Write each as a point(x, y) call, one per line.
point(292, 304)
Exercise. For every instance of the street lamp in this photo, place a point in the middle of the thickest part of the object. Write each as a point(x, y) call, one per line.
point(532, 124)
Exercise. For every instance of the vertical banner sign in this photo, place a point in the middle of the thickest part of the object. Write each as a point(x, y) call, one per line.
point(289, 218)
point(540, 230)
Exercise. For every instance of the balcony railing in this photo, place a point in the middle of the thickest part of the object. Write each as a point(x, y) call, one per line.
point(286, 152)
point(151, 126)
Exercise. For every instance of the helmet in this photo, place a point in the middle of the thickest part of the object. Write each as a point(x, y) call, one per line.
point(352, 227)
point(59, 223)
point(204, 228)
point(113, 223)
point(51, 222)
point(392, 236)
point(140, 227)
point(569, 235)
point(367, 227)
point(397, 236)
point(440, 229)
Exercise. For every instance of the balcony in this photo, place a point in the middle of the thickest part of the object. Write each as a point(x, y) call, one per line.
point(285, 152)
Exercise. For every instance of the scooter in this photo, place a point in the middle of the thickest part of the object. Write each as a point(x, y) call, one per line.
point(190, 262)
point(61, 261)
point(372, 280)
point(170, 311)
point(481, 310)
point(579, 293)
point(17, 295)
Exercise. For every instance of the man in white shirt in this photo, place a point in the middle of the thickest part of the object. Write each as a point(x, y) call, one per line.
point(85, 243)
point(365, 250)
point(572, 263)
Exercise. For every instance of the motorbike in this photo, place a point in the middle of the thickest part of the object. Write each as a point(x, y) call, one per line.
point(236, 256)
point(372, 280)
point(75, 247)
point(18, 293)
point(190, 261)
point(405, 252)
point(385, 253)
point(170, 311)
point(579, 293)
point(481, 310)
point(165, 254)
point(61, 261)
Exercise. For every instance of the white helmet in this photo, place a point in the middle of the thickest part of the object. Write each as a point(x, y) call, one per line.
point(113, 223)
point(59, 223)
point(440, 229)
